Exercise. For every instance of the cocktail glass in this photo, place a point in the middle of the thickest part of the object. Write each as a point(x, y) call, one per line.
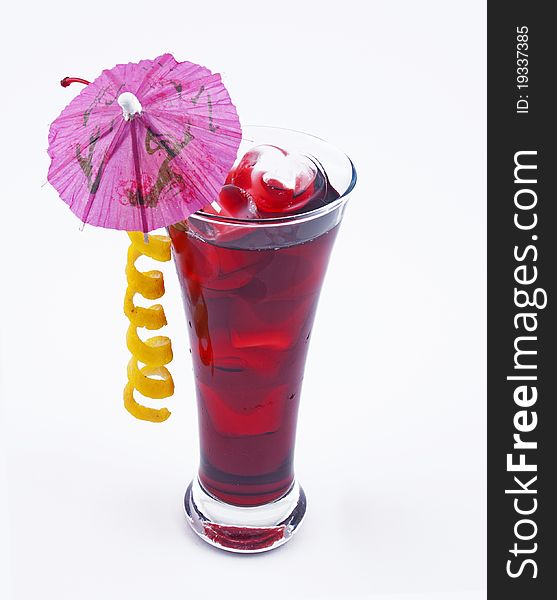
point(250, 290)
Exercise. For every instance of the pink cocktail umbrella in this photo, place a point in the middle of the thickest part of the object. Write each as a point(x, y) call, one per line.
point(144, 145)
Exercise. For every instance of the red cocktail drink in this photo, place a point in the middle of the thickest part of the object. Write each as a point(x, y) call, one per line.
point(250, 289)
point(250, 314)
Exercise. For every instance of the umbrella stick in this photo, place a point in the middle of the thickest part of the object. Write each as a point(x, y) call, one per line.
point(139, 193)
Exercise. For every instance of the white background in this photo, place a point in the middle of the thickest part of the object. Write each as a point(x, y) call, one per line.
point(391, 436)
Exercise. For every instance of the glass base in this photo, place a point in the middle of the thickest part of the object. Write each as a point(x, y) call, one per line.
point(244, 529)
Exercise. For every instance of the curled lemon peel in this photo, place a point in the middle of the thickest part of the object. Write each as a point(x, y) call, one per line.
point(153, 380)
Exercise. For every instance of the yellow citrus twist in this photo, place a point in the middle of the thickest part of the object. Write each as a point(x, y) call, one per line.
point(153, 379)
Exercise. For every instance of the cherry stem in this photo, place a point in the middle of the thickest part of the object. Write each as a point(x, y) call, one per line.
point(68, 80)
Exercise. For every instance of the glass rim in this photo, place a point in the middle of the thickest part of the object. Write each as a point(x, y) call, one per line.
point(292, 218)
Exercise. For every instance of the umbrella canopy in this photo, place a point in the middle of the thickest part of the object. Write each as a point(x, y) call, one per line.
point(144, 145)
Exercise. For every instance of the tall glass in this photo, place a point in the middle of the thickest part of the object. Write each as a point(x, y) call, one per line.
point(250, 290)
